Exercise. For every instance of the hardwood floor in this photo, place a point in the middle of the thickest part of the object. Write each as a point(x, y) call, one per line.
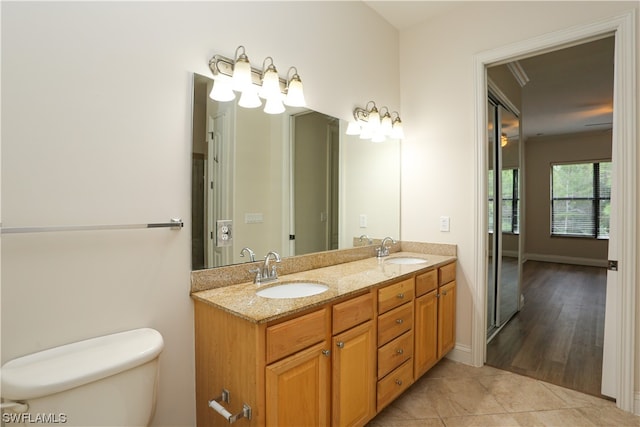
point(558, 335)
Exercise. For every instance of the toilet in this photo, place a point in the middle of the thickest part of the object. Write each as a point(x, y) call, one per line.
point(104, 381)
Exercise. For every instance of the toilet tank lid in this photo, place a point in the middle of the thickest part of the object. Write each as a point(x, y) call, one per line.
point(72, 365)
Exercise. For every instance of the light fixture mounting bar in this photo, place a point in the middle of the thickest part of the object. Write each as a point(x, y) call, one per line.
point(219, 64)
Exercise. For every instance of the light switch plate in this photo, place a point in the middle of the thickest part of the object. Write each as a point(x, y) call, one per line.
point(363, 220)
point(444, 223)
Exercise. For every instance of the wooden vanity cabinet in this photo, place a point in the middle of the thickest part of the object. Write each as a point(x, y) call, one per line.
point(339, 364)
point(446, 309)
point(353, 362)
point(395, 340)
point(434, 317)
point(298, 373)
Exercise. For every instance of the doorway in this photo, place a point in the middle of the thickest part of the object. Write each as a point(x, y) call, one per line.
point(315, 153)
point(623, 245)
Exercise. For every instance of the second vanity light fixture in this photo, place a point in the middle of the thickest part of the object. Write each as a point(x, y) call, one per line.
point(237, 75)
point(375, 125)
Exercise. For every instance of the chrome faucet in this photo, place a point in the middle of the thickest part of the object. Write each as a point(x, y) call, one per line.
point(383, 250)
point(252, 255)
point(364, 236)
point(267, 273)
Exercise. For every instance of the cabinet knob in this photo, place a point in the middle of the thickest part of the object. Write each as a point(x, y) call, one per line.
point(400, 351)
point(399, 382)
point(400, 295)
point(340, 344)
point(326, 352)
point(399, 321)
point(444, 293)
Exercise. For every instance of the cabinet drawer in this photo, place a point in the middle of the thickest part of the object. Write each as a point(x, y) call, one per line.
point(395, 383)
point(446, 273)
point(394, 353)
point(394, 323)
point(352, 312)
point(394, 295)
point(426, 282)
point(296, 334)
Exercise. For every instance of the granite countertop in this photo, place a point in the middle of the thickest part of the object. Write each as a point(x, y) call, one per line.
point(342, 280)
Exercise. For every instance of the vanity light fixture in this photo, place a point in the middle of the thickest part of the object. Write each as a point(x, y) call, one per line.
point(238, 75)
point(295, 94)
point(376, 125)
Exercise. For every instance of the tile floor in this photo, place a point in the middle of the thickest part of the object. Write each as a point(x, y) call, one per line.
point(453, 394)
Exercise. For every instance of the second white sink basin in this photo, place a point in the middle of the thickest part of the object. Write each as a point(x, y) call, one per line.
point(292, 290)
point(405, 260)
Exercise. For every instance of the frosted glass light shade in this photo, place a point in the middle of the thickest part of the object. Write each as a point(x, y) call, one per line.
point(295, 93)
point(270, 84)
point(397, 131)
point(274, 105)
point(221, 90)
point(385, 125)
point(241, 75)
point(373, 120)
point(249, 98)
point(378, 137)
point(353, 128)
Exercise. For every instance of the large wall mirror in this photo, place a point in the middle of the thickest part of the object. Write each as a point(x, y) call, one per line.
point(291, 182)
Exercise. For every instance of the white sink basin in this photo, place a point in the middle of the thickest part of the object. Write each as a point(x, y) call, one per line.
point(292, 290)
point(405, 260)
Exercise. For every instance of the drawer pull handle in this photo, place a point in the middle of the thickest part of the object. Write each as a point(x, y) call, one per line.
point(231, 418)
point(400, 351)
point(400, 295)
point(326, 352)
point(399, 382)
point(340, 344)
point(399, 321)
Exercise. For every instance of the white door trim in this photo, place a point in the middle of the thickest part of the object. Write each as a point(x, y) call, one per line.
point(624, 142)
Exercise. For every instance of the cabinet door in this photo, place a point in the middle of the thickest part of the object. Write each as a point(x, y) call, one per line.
point(446, 318)
point(426, 333)
point(298, 389)
point(354, 376)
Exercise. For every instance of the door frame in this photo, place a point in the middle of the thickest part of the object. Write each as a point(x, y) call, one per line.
point(624, 162)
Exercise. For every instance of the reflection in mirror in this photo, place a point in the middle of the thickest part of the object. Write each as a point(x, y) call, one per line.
point(504, 215)
point(292, 182)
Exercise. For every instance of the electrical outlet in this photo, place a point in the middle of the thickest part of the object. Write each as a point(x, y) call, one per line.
point(363, 221)
point(224, 236)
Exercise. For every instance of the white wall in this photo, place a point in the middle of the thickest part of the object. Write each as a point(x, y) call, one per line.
point(438, 110)
point(371, 183)
point(96, 125)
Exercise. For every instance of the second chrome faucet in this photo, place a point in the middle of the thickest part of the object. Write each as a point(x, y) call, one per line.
point(266, 273)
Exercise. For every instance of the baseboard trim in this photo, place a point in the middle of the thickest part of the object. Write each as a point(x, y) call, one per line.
point(461, 353)
point(591, 262)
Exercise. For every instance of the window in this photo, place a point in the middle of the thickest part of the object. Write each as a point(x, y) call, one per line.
point(510, 201)
point(581, 199)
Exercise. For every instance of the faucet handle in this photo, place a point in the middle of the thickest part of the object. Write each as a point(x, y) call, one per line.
point(258, 273)
point(273, 274)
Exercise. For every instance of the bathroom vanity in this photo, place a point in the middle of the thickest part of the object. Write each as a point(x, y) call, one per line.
point(336, 358)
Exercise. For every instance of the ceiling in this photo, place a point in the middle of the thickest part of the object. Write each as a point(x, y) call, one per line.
point(569, 90)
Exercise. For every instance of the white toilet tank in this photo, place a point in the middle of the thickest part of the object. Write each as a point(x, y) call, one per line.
point(105, 381)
